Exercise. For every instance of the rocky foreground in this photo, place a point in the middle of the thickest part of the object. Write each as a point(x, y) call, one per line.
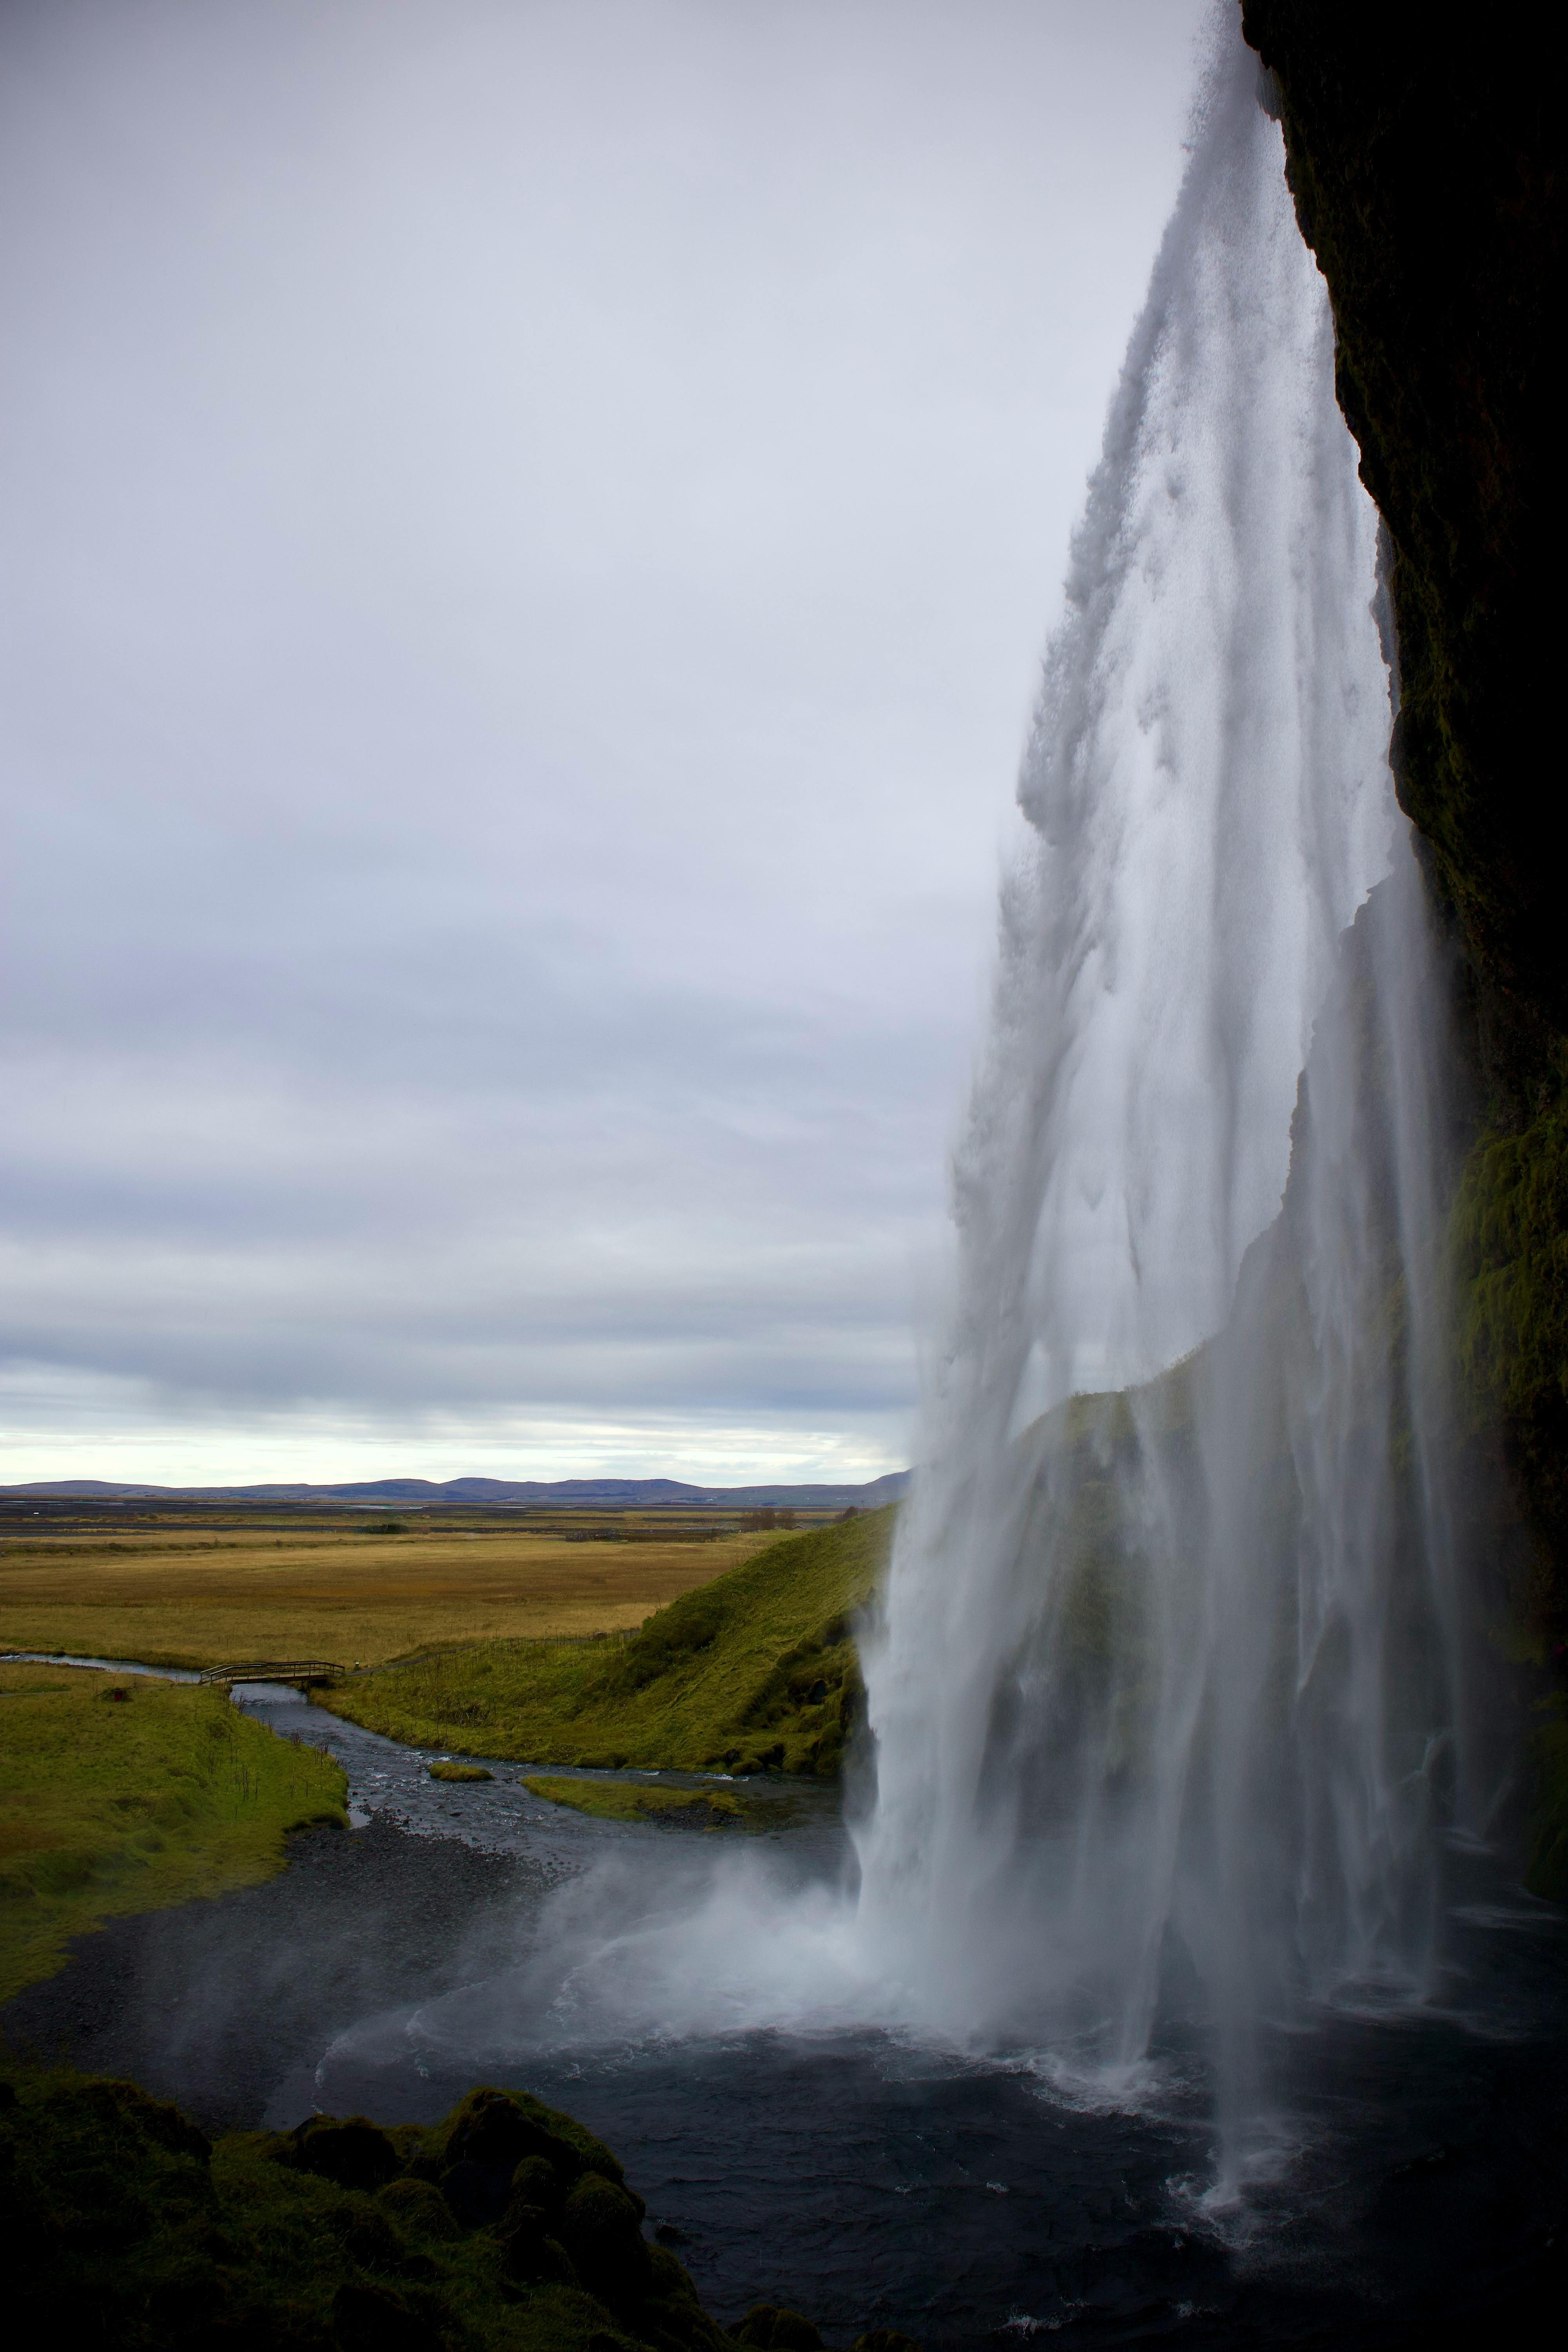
point(504, 2228)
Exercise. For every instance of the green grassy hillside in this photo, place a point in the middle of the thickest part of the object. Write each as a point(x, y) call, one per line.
point(754, 1672)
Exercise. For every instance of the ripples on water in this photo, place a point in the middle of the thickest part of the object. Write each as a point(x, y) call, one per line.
point(1406, 2181)
point(1406, 2184)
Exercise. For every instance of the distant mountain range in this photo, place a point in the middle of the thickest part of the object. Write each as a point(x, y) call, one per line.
point(621, 1494)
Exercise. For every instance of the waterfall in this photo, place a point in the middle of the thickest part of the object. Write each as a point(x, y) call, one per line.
point(1168, 1720)
point(1164, 1694)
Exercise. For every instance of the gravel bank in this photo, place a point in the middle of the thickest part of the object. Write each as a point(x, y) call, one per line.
point(218, 2003)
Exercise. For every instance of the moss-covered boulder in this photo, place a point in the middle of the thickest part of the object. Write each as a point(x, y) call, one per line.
point(774, 2329)
point(356, 2154)
point(417, 2209)
point(601, 2229)
point(504, 2128)
point(121, 2224)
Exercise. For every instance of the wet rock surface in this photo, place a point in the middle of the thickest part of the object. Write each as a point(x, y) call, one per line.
point(219, 2002)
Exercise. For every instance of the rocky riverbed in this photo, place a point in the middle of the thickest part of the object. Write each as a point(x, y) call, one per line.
point(216, 2004)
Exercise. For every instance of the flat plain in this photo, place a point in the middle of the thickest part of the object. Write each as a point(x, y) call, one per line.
point(218, 1594)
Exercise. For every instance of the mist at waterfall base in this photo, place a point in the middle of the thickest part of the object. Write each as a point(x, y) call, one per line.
point(1169, 1937)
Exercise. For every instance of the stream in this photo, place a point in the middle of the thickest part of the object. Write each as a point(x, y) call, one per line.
point(1411, 2183)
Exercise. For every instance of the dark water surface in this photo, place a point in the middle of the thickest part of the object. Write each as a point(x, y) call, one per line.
point(1420, 2181)
point(1411, 2186)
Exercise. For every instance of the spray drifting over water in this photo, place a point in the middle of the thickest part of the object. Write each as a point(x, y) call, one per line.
point(1164, 1673)
point(1164, 1696)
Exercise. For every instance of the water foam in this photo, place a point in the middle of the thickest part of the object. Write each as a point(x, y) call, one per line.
point(1166, 1675)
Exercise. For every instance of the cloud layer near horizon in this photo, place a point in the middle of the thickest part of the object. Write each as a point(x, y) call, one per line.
point(529, 529)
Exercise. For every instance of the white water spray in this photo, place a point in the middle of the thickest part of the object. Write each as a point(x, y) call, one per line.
point(1159, 1671)
point(1163, 1698)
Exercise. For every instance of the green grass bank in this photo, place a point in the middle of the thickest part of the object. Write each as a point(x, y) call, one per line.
point(504, 2228)
point(754, 1672)
point(120, 1793)
point(627, 1800)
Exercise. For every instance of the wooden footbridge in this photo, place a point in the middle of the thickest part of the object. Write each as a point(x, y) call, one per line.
point(302, 1672)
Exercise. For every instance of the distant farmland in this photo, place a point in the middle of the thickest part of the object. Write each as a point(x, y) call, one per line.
point(210, 1587)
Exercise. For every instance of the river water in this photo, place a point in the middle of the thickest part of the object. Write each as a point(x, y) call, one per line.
point(1409, 2187)
point(1411, 2179)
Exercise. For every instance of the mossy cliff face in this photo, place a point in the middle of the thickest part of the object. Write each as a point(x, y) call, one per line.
point(1424, 163)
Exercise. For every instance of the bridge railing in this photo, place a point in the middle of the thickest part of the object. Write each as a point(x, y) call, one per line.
point(325, 1670)
point(277, 1670)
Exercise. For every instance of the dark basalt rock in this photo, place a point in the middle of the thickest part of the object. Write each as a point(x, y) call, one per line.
point(1427, 172)
point(372, 2319)
point(773, 2330)
point(601, 2230)
point(355, 2154)
point(1427, 179)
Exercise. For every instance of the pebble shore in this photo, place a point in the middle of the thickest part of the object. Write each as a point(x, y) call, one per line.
point(216, 2003)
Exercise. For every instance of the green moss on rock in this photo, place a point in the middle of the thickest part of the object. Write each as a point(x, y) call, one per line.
point(506, 2227)
point(772, 2329)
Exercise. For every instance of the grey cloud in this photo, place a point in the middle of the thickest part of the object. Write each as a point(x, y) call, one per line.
point(529, 530)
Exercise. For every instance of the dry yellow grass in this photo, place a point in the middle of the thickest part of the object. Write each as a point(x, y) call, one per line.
point(201, 1601)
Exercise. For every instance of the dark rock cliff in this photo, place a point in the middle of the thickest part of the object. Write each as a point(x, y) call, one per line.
point(1424, 159)
point(1423, 156)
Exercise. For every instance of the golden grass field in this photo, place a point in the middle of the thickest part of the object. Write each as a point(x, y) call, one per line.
point(169, 1598)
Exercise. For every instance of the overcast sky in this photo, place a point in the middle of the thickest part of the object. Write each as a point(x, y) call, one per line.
point(527, 532)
